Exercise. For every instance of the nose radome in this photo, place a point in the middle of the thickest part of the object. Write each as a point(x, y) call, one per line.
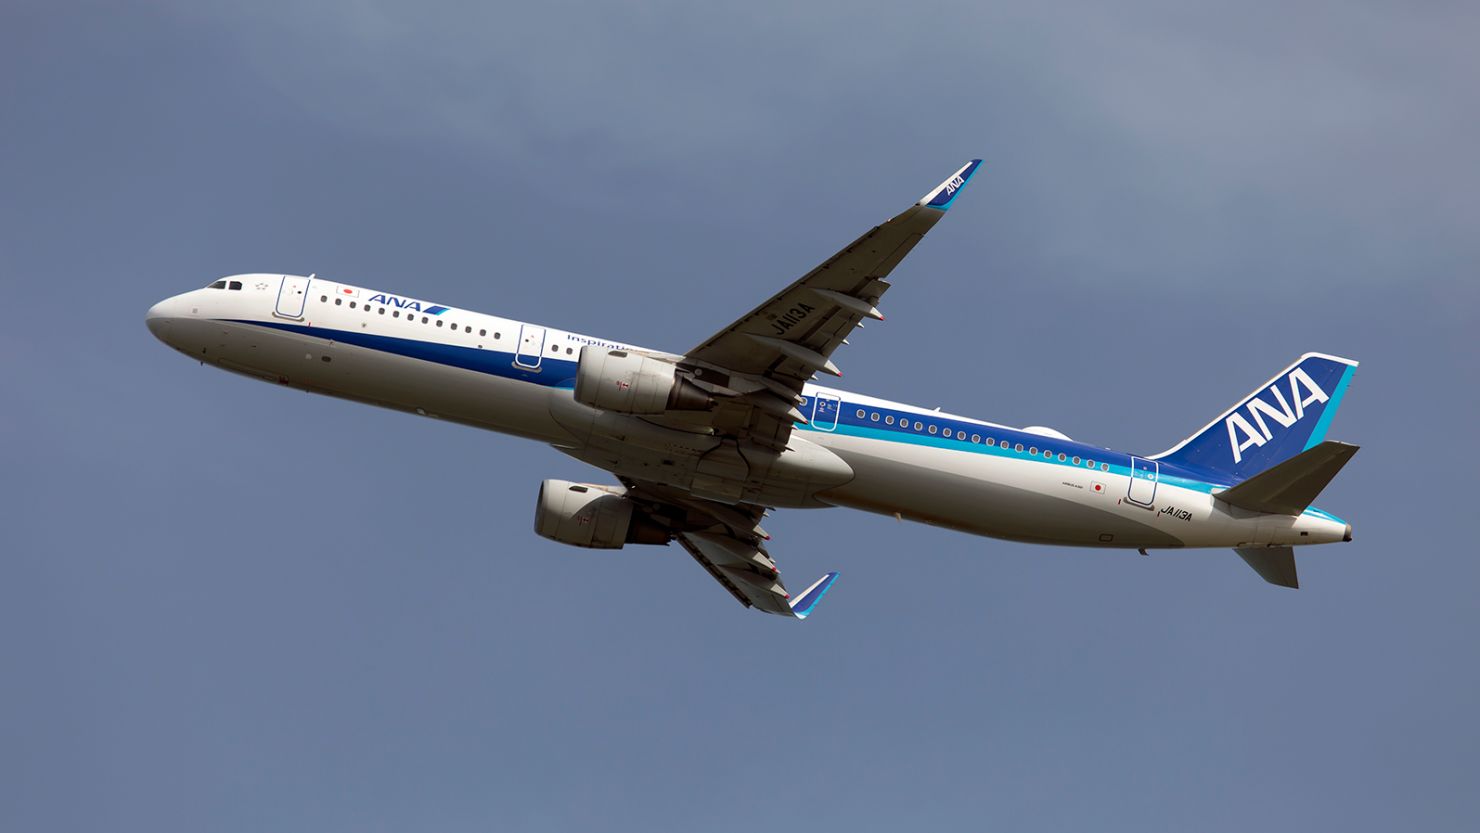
point(154, 319)
point(158, 318)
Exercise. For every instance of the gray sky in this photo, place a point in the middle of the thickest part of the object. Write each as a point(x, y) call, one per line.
point(228, 606)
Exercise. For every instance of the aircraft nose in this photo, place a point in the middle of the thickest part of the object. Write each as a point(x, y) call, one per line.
point(159, 316)
point(157, 319)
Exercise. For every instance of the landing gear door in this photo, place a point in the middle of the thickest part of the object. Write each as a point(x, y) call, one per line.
point(292, 296)
point(1143, 481)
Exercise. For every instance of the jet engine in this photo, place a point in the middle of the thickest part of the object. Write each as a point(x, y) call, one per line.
point(588, 515)
point(631, 383)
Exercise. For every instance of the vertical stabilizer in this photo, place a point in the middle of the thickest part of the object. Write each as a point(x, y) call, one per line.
point(1285, 416)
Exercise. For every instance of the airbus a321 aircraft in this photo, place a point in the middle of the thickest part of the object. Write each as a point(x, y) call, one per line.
point(703, 442)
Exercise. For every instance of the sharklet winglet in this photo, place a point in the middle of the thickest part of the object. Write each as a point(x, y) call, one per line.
point(806, 601)
point(945, 193)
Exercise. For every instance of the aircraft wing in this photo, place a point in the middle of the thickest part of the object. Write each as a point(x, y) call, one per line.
point(729, 543)
point(784, 341)
point(747, 571)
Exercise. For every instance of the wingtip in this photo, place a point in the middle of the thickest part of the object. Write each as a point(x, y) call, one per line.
point(806, 602)
point(945, 193)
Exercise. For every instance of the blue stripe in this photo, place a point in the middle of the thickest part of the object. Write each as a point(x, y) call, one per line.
point(552, 372)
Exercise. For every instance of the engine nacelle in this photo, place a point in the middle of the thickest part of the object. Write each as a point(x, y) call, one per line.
point(587, 515)
point(631, 383)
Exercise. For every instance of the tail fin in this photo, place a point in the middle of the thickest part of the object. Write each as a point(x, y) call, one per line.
point(1285, 416)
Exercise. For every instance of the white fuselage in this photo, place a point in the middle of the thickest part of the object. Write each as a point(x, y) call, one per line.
point(897, 459)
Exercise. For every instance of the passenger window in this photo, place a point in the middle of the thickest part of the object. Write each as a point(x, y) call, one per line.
point(1018, 448)
point(338, 302)
point(874, 417)
point(976, 438)
point(381, 309)
point(919, 425)
point(323, 299)
point(888, 419)
point(1104, 467)
point(1062, 457)
point(439, 322)
point(569, 351)
point(395, 313)
point(1076, 461)
point(482, 332)
point(351, 304)
point(932, 429)
point(496, 336)
point(424, 320)
point(1090, 463)
point(1033, 450)
point(467, 329)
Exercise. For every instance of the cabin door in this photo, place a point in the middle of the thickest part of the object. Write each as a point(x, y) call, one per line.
point(531, 345)
point(1143, 481)
point(292, 296)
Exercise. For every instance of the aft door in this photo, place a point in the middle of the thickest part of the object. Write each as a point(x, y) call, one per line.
point(531, 346)
point(1143, 481)
point(825, 409)
point(292, 296)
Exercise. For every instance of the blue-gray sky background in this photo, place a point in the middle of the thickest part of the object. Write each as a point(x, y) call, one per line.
point(227, 606)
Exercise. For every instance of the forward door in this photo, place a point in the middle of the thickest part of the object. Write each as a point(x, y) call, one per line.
point(292, 296)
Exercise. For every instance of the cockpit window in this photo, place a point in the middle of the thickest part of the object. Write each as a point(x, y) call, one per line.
point(235, 285)
point(217, 285)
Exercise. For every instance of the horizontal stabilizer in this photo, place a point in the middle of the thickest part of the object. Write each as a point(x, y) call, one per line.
point(1275, 565)
point(801, 606)
point(1289, 487)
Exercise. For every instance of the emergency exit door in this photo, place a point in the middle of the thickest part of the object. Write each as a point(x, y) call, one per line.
point(825, 409)
point(531, 345)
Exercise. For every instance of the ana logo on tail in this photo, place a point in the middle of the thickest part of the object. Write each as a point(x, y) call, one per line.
point(1257, 432)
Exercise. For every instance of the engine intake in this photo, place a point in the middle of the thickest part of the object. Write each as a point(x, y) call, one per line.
point(588, 515)
point(631, 383)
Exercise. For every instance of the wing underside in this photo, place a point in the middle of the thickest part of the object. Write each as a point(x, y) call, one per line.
point(729, 543)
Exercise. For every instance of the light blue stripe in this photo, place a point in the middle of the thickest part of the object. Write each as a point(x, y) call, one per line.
point(1318, 435)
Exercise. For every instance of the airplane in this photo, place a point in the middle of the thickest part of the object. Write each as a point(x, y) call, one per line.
point(705, 443)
